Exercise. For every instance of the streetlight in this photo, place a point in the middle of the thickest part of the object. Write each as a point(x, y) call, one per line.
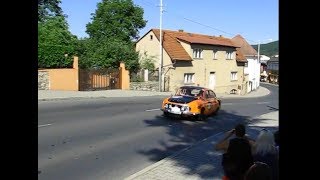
point(160, 58)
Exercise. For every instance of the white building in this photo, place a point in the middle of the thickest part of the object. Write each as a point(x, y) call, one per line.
point(253, 69)
point(264, 59)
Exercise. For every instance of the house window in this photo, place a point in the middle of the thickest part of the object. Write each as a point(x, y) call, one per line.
point(197, 53)
point(189, 78)
point(234, 76)
point(229, 55)
point(151, 37)
point(214, 54)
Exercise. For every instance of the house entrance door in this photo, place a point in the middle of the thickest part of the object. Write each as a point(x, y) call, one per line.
point(212, 80)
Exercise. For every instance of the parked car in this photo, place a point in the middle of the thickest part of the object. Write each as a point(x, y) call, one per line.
point(191, 101)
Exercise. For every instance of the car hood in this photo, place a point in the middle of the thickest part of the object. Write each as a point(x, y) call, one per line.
point(182, 99)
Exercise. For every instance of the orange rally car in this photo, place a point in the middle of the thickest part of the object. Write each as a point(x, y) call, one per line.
point(191, 101)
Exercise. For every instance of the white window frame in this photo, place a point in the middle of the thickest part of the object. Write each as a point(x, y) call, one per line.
point(188, 78)
point(214, 53)
point(234, 76)
point(229, 55)
point(197, 53)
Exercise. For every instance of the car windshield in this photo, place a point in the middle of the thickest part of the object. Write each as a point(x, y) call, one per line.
point(188, 92)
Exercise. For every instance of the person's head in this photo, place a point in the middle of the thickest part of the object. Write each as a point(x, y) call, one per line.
point(240, 130)
point(276, 137)
point(264, 143)
point(258, 171)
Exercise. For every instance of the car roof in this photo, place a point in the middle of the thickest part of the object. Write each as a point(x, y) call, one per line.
point(194, 87)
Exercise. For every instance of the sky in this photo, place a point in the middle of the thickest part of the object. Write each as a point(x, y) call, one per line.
point(255, 20)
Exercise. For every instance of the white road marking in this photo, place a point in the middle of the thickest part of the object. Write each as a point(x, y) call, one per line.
point(227, 103)
point(262, 102)
point(44, 125)
point(153, 109)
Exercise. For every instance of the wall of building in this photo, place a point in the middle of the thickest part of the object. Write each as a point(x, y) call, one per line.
point(68, 78)
point(60, 79)
point(152, 48)
point(145, 86)
point(43, 80)
point(202, 68)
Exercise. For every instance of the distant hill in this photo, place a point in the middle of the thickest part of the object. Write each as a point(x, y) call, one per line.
point(269, 49)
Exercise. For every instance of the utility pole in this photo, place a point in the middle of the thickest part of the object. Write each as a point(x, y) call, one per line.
point(259, 52)
point(255, 68)
point(160, 58)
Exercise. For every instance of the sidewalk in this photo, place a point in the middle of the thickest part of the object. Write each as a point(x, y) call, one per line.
point(44, 95)
point(201, 161)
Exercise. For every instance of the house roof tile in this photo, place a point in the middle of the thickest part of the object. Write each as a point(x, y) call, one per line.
point(171, 43)
point(245, 47)
point(240, 57)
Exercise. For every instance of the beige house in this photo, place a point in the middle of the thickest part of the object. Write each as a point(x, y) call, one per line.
point(196, 59)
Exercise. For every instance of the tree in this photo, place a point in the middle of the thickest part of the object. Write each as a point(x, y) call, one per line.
point(48, 8)
point(108, 53)
point(114, 26)
point(116, 18)
point(56, 44)
point(146, 61)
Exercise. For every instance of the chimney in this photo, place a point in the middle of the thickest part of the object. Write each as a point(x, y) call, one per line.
point(180, 30)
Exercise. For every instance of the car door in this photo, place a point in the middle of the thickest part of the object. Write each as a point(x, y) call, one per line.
point(207, 103)
point(212, 101)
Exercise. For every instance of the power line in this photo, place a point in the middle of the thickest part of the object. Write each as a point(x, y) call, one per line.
point(196, 22)
point(148, 3)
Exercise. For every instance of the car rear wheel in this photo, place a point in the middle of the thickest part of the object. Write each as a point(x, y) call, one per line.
point(216, 111)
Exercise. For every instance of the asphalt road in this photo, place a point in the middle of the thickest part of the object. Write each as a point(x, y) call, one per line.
point(112, 138)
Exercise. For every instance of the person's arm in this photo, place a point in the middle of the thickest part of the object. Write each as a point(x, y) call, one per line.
point(224, 143)
point(251, 141)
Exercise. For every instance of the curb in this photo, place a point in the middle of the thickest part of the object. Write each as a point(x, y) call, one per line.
point(92, 97)
point(68, 98)
point(269, 84)
point(245, 96)
point(78, 98)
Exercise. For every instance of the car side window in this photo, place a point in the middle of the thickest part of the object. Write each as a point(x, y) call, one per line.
point(211, 94)
point(207, 95)
point(202, 94)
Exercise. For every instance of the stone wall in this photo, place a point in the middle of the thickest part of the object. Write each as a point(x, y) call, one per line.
point(43, 80)
point(145, 86)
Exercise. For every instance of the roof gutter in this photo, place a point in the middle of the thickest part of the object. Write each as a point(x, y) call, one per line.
point(174, 62)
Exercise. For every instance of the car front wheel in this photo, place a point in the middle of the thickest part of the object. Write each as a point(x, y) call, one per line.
point(201, 116)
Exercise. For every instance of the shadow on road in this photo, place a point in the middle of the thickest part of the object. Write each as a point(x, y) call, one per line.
point(184, 133)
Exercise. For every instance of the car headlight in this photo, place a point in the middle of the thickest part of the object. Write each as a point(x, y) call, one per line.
point(185, 108)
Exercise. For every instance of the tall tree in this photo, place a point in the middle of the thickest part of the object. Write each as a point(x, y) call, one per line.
point(116, 18)
point(108, 54)
point(48, 8)
point(56, 44)
point(114, 26)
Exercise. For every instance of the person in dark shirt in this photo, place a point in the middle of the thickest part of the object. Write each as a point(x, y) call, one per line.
point(259, 171)
point(238, 156)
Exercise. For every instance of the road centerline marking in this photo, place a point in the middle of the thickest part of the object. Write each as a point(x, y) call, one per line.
point(263, 102)
point(44, 125)
point(153, 109)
